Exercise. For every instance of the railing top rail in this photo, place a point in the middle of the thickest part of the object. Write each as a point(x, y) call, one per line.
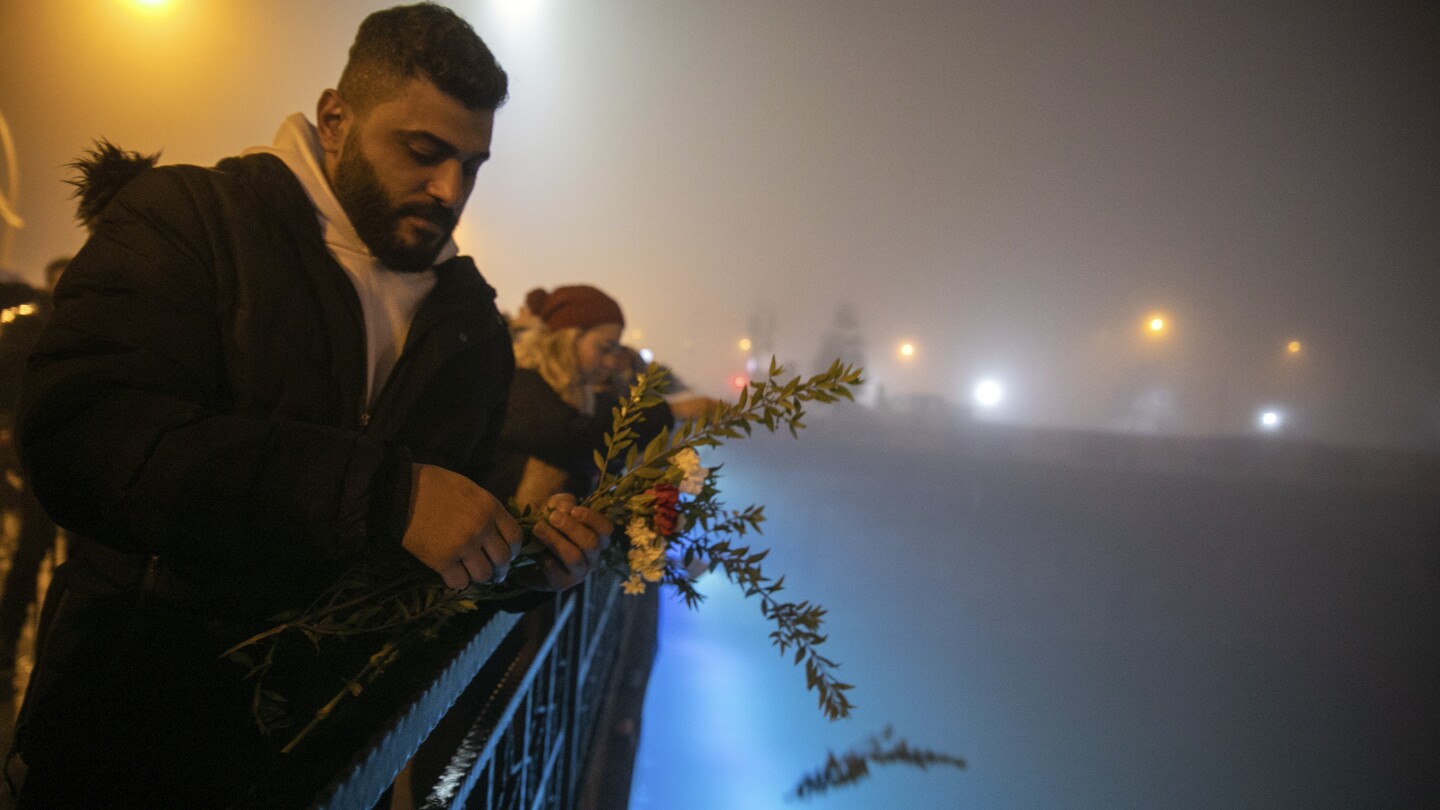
point(374, 771)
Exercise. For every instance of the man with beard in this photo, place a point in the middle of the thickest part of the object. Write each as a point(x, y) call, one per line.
point(255, 375)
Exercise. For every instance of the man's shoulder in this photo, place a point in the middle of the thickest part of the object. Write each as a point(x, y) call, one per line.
point(138, 184)
point(262, 178)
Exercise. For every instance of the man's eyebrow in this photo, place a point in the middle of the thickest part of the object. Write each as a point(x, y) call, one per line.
point(439, 144)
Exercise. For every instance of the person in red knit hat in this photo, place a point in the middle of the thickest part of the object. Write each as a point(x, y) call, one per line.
point(567, 340)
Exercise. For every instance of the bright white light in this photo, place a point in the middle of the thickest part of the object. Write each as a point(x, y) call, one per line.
point(988, 393)
point(647, 355)
point(519, 15)
point(1270, 420)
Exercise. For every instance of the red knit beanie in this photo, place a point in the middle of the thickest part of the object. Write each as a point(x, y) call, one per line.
point(580, 305)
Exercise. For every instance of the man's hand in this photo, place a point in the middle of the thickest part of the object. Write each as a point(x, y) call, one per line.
point(574, 536)
point(459, 529)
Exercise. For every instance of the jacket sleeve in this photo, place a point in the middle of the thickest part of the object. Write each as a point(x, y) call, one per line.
point(126, 426)
point(539, 423)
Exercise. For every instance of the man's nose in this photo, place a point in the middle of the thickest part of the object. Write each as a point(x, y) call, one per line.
point(447, 184)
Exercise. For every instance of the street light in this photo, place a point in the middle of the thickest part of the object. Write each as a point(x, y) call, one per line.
point(907, 350)
point(152, 7)
point(745, 344)
point(1293, 347)
point(989, 393)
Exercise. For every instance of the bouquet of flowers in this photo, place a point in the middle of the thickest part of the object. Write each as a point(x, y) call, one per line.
point(675, 526)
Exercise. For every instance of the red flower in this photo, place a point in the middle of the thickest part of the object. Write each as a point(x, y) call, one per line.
point(667, 500)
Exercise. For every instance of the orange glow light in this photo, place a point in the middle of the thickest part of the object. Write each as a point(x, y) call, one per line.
point(151, 7)
point(1293, 347)
point(739, 381)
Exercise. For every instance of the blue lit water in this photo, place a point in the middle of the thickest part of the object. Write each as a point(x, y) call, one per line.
point(1084, 639)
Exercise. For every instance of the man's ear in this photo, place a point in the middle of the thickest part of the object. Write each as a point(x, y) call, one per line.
point(333, 119)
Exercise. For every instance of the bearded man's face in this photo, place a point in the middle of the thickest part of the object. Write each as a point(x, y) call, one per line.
point(405, 171)
point(381, 223)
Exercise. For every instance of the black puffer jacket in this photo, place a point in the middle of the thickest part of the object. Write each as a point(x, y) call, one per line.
point(198, 393)
point(195, 405)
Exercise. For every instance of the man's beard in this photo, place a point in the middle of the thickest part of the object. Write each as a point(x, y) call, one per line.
point(377, 222)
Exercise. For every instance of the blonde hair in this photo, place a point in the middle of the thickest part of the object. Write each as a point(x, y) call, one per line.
point(552, 355)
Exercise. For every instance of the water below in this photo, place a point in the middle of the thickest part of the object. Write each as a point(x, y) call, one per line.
point(1084, 638)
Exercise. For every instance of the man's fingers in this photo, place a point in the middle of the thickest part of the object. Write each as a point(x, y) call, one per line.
point(509, 530)
point(598, 523)
point(561, 502)
point(497, 556)
point(455, 577)
point(576, 557)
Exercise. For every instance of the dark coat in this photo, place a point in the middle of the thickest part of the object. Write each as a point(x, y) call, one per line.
point(539, 423)
point(195, 405)
point(198, 392)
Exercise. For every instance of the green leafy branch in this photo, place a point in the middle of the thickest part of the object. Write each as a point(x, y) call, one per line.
point(797, 624)
point(854, 765)
point(771, 404)
point(399, 599)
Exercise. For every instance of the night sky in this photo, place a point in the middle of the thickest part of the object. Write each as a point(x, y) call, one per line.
point(1014, 188)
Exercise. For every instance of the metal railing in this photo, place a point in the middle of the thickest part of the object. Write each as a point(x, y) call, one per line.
point(508, 721)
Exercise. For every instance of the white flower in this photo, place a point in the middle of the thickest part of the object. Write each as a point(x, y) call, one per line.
point(641, 535)
point(688, 462)
point(643, 559)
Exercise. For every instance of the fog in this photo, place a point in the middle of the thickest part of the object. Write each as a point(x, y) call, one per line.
point(1087, 630)
point(1014, 189)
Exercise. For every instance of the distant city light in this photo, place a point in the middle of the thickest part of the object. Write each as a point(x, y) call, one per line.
point(745, 344)
point(1270, 420)
point(1293, 347)
point(907, 350)
point(988, 393)
point(739, 381)
point(1157, 324)
point(647, 355)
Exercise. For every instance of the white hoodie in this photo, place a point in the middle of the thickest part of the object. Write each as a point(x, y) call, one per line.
point(388, 299)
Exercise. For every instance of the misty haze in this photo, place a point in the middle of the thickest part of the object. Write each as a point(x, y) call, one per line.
point(1139, 505)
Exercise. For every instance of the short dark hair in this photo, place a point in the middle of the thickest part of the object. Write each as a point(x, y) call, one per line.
point(422, 40)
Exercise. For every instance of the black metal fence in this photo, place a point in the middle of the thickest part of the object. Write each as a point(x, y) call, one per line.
point(510, 721)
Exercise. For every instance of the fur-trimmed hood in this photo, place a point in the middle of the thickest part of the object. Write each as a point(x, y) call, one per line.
point(100, 173)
